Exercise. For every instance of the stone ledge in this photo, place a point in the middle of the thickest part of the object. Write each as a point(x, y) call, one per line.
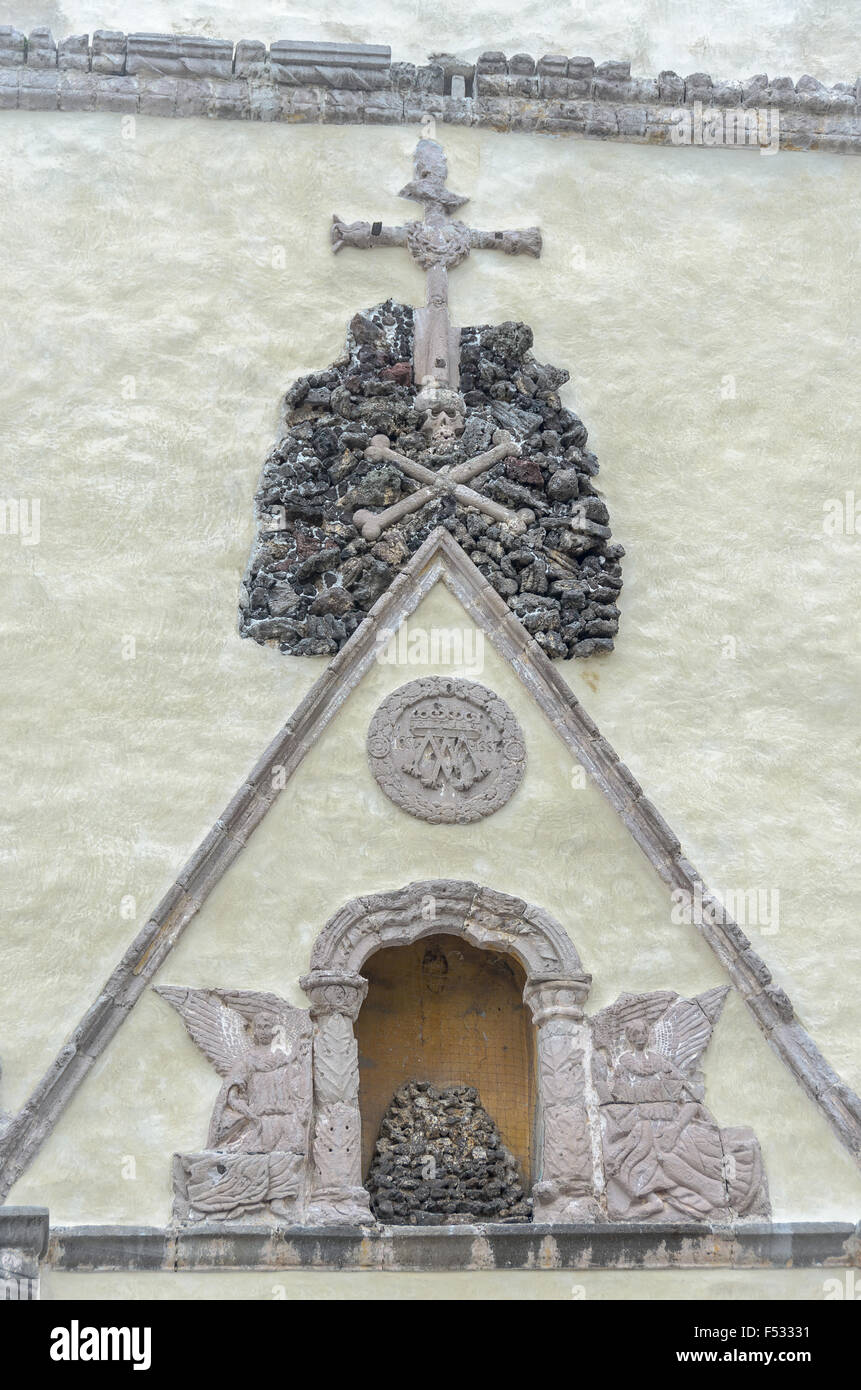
point(24, 1229)
point(797, 1245)
point(299, 81)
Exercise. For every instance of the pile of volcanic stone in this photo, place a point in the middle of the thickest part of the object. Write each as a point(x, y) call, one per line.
point(312, 577)
point(439, 1160)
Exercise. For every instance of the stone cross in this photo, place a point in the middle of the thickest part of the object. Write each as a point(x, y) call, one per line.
point(439, 483)
point(438, 243)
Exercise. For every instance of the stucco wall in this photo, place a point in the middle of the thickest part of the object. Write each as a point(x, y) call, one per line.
point(701, 300)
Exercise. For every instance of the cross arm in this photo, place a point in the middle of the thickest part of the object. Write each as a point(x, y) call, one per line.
point(525, 242)
point(365, 235)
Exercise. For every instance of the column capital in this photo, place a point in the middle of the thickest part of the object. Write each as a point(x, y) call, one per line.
point(335, 992)
point(556, 996)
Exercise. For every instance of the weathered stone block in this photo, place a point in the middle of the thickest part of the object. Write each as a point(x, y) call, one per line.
point(354, 66)
point(264, 104)
point(552, 65)
point(194, 97)
point(74, 52)
point(642, 90)
point(419, 104)
point(698, 87)
point(157, 96)
point(169, 55)
point(522, 65)
point(600, 120)
point(41, 49)
point(754, 89)
point(459, 110)
point(613, 72)
point(301, 104)
point(492, 63)
point(564, 118)
point(387, 108)
point(403, 76)
point(526, 115)
point(553, 88)
point(13, 47)
point(117, 94)
point(492, 84)
point(631, 122)
point(783, 92)
point(9, 79)
point(581, 69)
point(249, 59)
point(671, 87)
point(726, 94)
point(523, 87)
point(109, 52)
point(343, 107)
point(230, 101)
point(842, 98)
point(494, 111)
point(78, 91)
point(39, 91)
point(430, 78)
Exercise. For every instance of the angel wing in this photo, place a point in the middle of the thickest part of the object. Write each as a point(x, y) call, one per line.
point(215, 1025)
point(684, 1031)
point(610, 1025)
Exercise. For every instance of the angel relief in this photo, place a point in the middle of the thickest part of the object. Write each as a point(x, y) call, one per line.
point(665, 1156)
point(259, 1134)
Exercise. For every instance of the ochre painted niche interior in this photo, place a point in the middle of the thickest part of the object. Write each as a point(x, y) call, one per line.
point(440, 1010)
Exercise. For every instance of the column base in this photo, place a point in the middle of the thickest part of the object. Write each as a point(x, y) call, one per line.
point(551, 1205)
point(344, 1207)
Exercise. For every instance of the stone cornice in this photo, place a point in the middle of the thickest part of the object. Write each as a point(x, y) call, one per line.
point(296, 82)
point(815, 1245)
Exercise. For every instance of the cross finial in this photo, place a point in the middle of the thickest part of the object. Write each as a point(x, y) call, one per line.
point(438, 244)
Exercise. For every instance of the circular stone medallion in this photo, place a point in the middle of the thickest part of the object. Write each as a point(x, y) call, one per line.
point(446, 750)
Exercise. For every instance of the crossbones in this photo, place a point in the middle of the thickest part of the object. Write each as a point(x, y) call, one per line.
point(443, 482)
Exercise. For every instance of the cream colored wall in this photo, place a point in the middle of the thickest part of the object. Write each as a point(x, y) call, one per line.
point(729, 39)
point(665, 271)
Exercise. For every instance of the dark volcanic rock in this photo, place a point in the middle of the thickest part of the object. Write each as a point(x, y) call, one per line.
point(313, 577)
point(439, 1160)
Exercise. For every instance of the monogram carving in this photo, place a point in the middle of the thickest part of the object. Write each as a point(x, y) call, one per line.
point(446, 750)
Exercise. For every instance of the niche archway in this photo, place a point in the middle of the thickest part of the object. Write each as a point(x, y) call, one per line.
point(555, 990)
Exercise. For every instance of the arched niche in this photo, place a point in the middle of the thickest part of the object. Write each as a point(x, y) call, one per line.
point(555, 990)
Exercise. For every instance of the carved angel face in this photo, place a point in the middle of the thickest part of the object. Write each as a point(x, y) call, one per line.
point(264, 1029)
point(638, 1035)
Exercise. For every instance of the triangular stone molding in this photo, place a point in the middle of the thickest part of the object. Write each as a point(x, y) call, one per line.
point(439, 559)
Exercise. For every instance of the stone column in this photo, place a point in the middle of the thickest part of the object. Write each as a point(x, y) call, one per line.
point(566, 1188)
point(337, 1194)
